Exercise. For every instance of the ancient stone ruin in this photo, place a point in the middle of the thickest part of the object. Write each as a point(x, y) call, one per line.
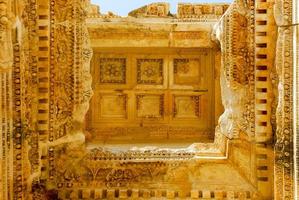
point(198, 104)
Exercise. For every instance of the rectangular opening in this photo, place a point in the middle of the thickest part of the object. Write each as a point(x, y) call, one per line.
point(262, 156)
point(263, 168)
point(43, 59)
point(42, 111)
point(43, 38)
point(42, 69)
point(212, 194)
point(262, 90)
point(42, 121)
point(200, 195)
point(43, 132)
point(261, 45)
point(261, 78)
point(261, 101)
point(263, 179)
point(42, 90)
point(264, 22)
point(261, 112)
point(42, 27)
point(43, 101)
point(261, 33)
point(43, 16)
point(262, 123)
point(43, 48)
point(261, 11)
point(43, 80)
point(248, 194)
point(261, 56)
point(262, 67)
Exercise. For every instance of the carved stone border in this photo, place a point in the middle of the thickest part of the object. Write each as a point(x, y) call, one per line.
point(220, 145)
point(69, 142)
point(38, 138)
point(284, 163)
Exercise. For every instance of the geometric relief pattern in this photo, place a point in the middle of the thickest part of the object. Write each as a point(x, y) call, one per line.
point(150, 71)
point(186, 71)
point(113, 106)
point(186, 107)
point(150, 105)
point(113, 70)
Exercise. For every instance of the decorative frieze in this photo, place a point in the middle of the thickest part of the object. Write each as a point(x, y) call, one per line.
point(152, 10)
point(284, 163)
point(234, 32)
point(113, 70)
point(150, 71)
point(45, 90)
point(194, 11)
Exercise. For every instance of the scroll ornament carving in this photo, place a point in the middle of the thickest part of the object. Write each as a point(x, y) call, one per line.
point(113, 70)
point(73, 80)
point(62, 103)
point(284, 112)
point(72, 85)
point(69, 75)
point(69, 107)
point(234, 74)
point(84, 86)
point(70, 60)
point(99, 167)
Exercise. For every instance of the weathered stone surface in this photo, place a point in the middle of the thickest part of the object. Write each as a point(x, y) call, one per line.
point(154, 105)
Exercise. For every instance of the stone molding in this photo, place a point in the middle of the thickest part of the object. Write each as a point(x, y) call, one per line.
point(46, 87)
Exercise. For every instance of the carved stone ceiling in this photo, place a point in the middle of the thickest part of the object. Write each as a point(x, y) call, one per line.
point(79, 88)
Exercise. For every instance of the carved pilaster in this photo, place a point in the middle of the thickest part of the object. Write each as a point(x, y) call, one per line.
point(284, 165)
point(70, 80)
point(234, 33)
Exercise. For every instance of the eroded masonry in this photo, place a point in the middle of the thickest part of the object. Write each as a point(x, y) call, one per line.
point(198, 104)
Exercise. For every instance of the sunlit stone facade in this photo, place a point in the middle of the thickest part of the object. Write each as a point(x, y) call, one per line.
point(198, 104)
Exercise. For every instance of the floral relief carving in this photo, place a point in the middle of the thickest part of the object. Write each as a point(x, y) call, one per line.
point(99, 167)
point(235, 70)
point(48, 92)
point(284, 63)
point(150, 71)
point(113, 70)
